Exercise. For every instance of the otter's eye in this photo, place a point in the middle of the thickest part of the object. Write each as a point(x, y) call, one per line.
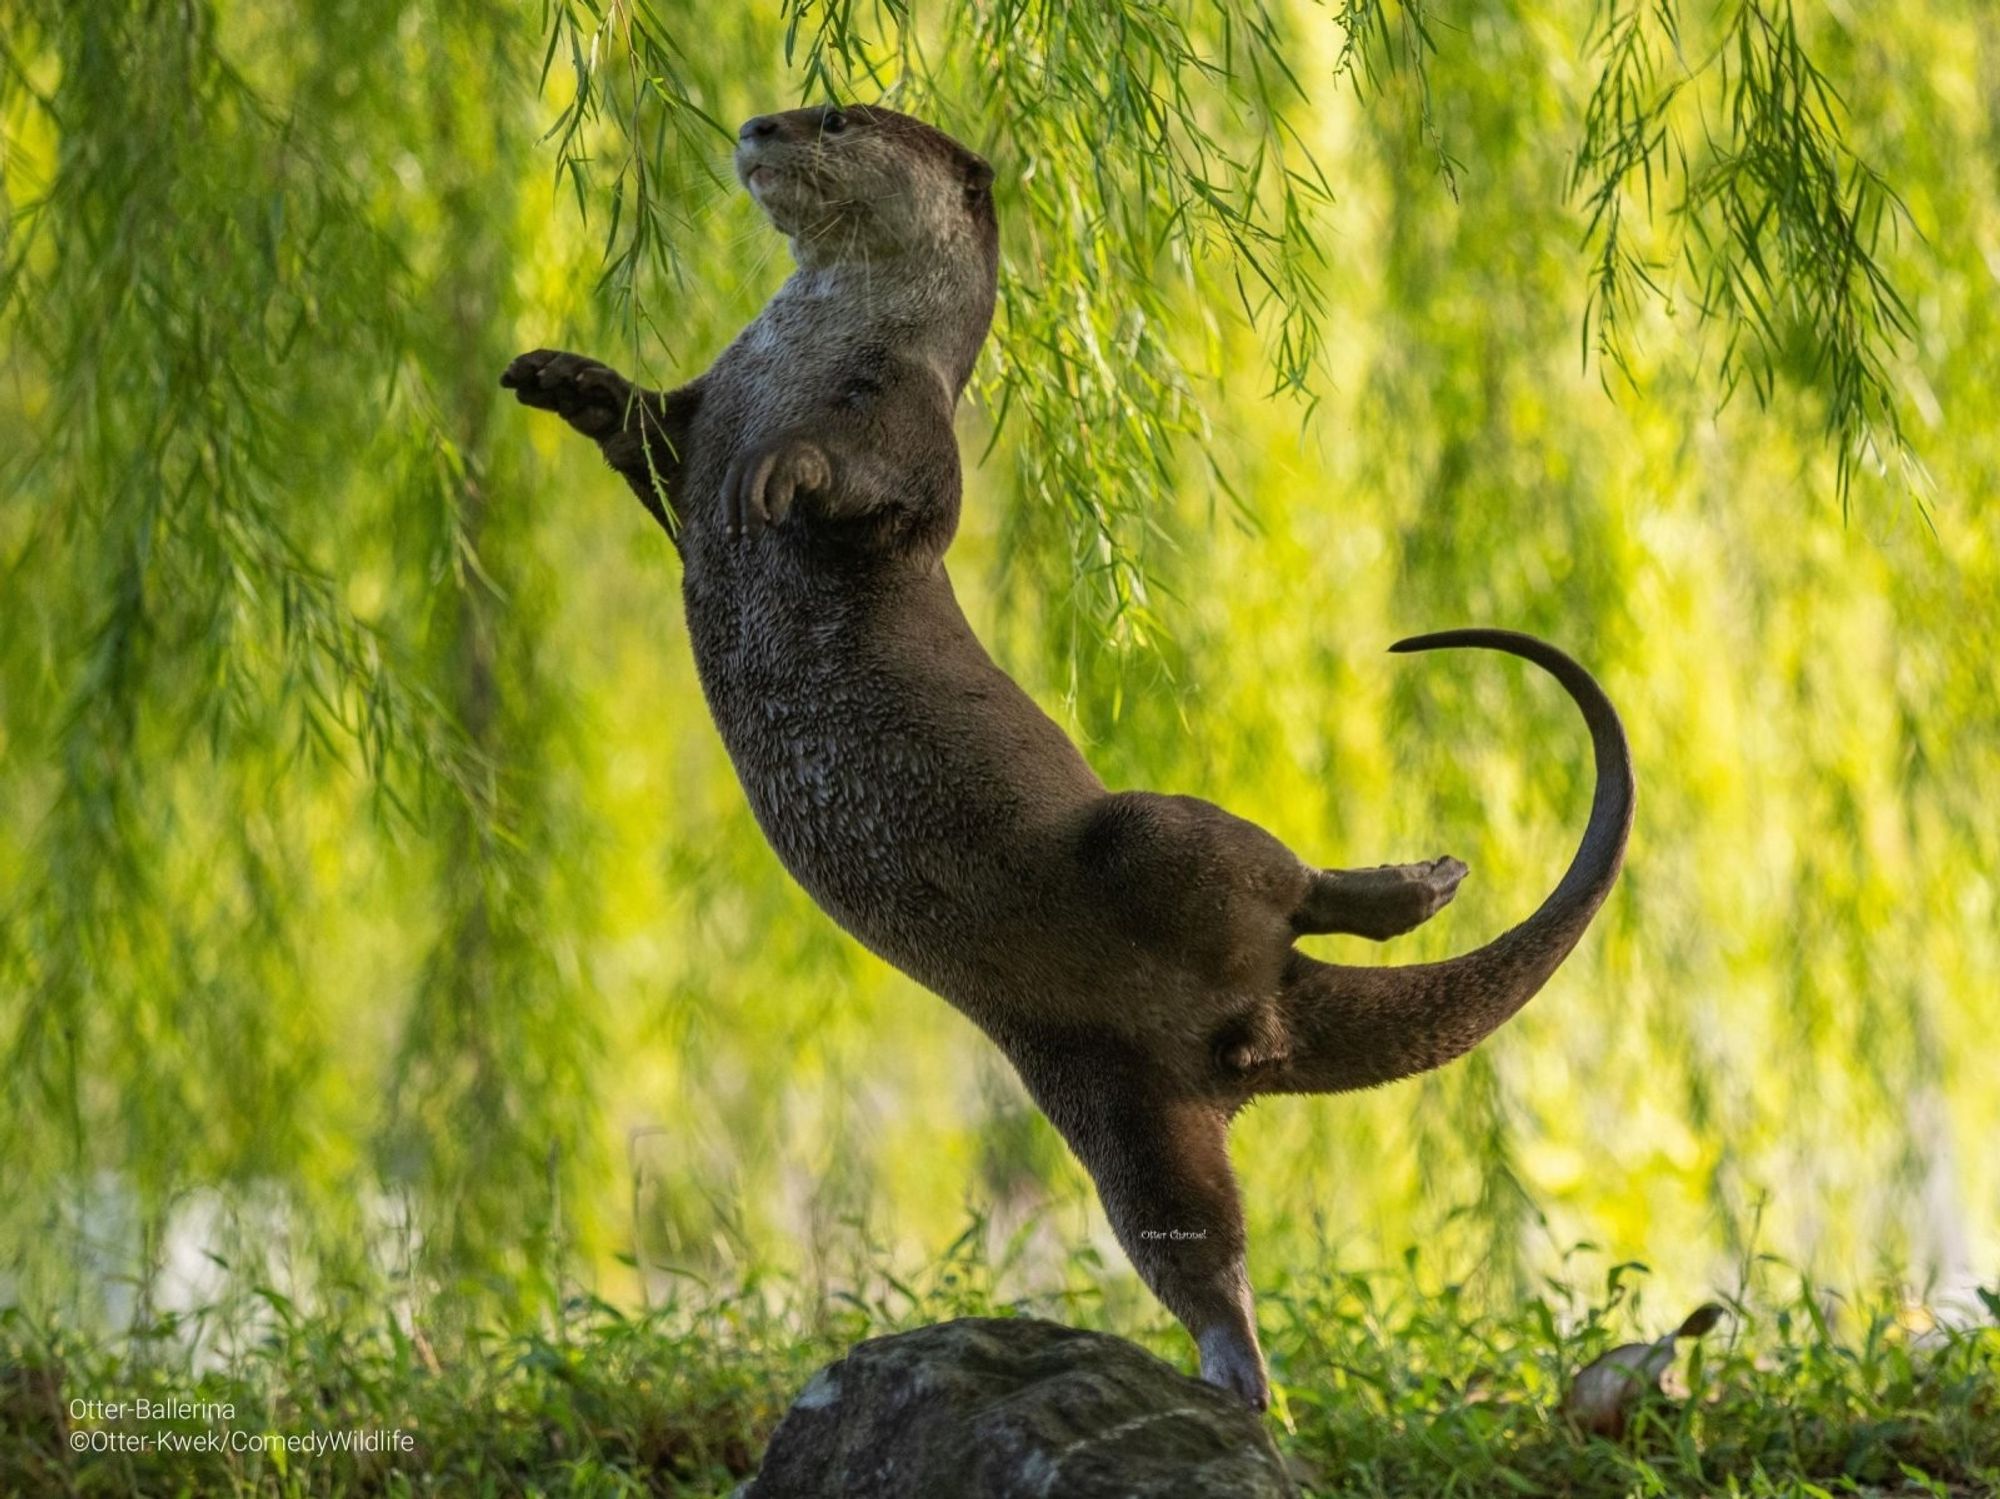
point(833, 122)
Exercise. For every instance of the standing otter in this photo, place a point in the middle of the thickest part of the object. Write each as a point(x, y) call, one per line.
point(1131, 953)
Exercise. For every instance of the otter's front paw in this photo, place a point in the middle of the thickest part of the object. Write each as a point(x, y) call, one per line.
point(590, 396)
point(761, 484)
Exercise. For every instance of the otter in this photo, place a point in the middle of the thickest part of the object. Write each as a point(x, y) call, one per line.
point(1132, 954)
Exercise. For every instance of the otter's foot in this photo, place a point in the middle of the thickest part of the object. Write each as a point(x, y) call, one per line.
point(591, 396)
point(1231, 1360)
point(1253, 1041)
point(1378, 903)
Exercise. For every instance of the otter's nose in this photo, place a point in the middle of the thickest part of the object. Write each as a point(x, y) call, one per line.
point(760, 129)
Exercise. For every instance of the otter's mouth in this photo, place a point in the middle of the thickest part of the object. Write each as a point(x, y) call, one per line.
point(757, 171)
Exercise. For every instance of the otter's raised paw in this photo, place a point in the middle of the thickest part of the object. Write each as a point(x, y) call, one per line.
point(591, 396)
point(761, 484)
point(1379, 903)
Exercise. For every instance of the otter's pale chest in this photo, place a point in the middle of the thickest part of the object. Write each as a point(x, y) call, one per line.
point(794, 366)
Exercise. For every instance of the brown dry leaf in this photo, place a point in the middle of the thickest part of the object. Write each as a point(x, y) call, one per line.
point(1605, 1392)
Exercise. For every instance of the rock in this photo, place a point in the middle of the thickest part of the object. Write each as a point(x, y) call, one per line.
point(1014, 1408)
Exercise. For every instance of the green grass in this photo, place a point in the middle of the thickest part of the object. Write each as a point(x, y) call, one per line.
point(1386, 1386)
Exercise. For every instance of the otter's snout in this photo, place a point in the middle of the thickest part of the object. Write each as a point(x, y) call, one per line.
point(793, 126)
point(756, 143)
point(774, 141)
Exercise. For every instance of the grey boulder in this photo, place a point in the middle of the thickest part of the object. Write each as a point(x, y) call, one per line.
point(1014, 1408)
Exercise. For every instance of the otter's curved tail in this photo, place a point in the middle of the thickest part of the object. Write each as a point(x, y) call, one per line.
point(1356, 1027)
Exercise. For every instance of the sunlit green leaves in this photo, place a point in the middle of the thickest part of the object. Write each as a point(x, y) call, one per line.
point(227, 371)
point(1777, 226)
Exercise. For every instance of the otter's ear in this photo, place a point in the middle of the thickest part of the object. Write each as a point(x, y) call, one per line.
point(978, 174)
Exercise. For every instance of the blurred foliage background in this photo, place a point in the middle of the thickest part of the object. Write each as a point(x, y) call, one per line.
point(379, 916)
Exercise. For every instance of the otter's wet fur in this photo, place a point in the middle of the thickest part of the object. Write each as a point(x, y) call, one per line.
point(1131, 953)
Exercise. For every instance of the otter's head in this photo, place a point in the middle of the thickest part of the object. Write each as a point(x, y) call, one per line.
point(860, 182)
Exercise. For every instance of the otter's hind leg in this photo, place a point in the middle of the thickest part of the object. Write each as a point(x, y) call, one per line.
point(1196, 886)
point(1379, 903)
point(1160, 1160)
